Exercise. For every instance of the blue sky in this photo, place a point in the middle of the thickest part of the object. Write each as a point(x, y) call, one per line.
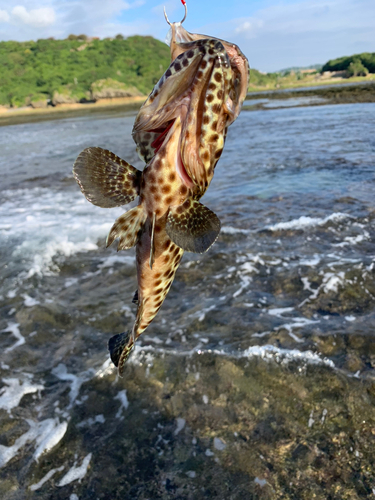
point(274, 34)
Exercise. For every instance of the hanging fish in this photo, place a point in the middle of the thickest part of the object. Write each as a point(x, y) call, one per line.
point(180, 133)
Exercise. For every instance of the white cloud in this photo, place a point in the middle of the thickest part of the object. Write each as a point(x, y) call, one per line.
point(250, 27)
point(4, 16)
point(301, 33)
point(37, 18)
point(133, 5)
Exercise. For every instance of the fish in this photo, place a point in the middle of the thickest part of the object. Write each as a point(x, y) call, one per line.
point(179, 133)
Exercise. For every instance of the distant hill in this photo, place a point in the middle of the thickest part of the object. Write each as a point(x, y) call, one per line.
point(297, 69)
point(36, 71)
point(367, 59)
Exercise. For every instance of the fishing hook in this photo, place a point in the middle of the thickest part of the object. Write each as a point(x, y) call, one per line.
point(166, 17)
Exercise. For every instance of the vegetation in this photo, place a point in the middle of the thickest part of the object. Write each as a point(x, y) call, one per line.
point(80, 69)
point(367, 59)
point(36, 70)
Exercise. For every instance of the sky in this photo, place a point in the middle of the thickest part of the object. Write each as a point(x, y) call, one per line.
point(273, 34)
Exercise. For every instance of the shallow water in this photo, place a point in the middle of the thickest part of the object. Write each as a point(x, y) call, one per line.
point(255, 380)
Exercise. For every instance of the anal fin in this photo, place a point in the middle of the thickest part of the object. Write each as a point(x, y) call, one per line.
point(105, 179)
point(192, 226)
point(127, 227)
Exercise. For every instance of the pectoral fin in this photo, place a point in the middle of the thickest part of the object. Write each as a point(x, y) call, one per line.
point(127, 228)
point(192, 226)
point(105, 179)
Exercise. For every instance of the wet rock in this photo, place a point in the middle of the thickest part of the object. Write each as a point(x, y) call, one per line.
point(109, 89)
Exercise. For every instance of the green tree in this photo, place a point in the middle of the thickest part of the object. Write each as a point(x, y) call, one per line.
point(356, 68)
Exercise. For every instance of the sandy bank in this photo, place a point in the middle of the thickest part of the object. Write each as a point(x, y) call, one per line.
point(28, 114)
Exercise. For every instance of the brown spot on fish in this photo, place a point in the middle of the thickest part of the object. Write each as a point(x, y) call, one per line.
point(210, 98)
point(212, 86)
point(172, 177)
point(218, 76)
point(220, 94)
point(166, 189)
point(168, 200)
point(183, 189)
point(177, 66)
point(157, 164)
point(190, 54)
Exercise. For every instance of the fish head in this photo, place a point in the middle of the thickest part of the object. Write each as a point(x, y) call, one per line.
point(206, 92)
point(238, 62)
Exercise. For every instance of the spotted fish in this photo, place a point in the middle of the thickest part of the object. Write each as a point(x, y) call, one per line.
point(180, 133)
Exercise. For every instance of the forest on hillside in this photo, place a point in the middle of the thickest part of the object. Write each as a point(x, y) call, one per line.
point(360, 63)
point(33, 71)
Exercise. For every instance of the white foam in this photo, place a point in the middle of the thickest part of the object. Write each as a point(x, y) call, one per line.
point(332, 281)
point(310, 262)
point(42, 432)
point(353, 240)
point(280, 311)
point(51, 434)
point(235, 230)
point(29, 301)
point(306, 221)
point(114, 259)
point(14, 330)
point(57, 225)
point(219, 444)
point(76, 473)
point(260, 482)
point(99, 419)
point(61, 372)
point(122, 397)
point(14, 391)
point(180, 424)
point(46, 478)
point(285, 356)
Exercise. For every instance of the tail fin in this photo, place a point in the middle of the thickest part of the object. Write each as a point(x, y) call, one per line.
point(120, 347)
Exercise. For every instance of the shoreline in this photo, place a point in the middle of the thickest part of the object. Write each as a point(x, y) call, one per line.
point(16, 116)
point(338, 91)
point(313, 83)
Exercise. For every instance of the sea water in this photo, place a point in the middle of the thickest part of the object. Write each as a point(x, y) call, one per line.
point(261, 354)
